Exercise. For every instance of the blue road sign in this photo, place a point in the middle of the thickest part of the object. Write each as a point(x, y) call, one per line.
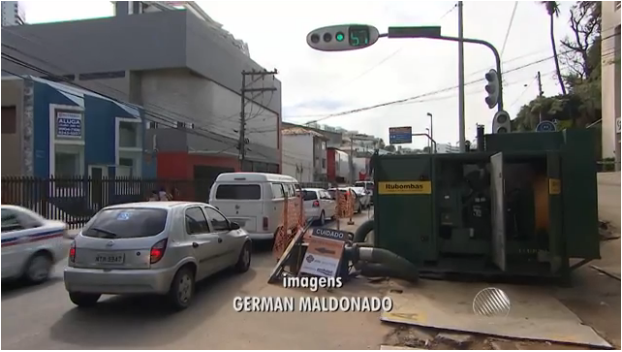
point(400, 135)
point(546, 126)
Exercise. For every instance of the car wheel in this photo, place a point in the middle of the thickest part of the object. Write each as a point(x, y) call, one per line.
point(322, 218)
point(38, 268)
point(84, 300)
point(244, 260)
point(182, 289)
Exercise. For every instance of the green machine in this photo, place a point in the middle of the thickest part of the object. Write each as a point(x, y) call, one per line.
point(523, 204)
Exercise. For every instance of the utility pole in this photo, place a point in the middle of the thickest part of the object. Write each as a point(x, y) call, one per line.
point(461, 117)
point(352, 160)
point(540, 93)
point(243, 141)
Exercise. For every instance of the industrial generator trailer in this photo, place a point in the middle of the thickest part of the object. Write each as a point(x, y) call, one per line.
point(522, 204)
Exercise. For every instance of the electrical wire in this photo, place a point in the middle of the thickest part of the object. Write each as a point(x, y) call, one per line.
point(507, 32)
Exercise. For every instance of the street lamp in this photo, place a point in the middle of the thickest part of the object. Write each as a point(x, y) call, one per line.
point(431, 127)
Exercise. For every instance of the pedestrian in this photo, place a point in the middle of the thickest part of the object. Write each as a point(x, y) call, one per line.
point(164, 195)
point(154, 196)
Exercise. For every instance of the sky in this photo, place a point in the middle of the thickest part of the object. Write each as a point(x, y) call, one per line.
point(316, 84)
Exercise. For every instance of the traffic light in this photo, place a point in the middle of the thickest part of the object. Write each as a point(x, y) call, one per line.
point(492, 88)
point(343, 37)
point(501, 122)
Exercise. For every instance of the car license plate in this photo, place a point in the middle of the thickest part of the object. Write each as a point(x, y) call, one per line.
point(110, 258)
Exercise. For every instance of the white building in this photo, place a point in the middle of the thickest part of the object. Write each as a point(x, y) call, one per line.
point(304, 155)
point(610, 52)
point(13, 13)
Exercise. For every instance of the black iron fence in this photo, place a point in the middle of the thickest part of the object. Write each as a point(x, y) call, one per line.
point(74, 200)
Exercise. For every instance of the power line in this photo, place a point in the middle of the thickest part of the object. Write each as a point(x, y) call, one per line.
point(401, 101)
point(507, 32)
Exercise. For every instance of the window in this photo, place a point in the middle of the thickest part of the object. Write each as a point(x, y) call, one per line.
point(238, 192)
point(309, 195)
point(323, 163)
point(10, 221)
point(217, 220)
point(196, 222)
point(277, 191)
point(128, 134)
point(67, 164)
point(290, 190)
point(326, 195)
point(9, 123)
point(127, 223)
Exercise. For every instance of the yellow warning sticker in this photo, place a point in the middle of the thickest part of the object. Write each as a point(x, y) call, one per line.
point(555, 186)
point(404, 187)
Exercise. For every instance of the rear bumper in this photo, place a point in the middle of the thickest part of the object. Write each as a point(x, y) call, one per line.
point(313, 213)
point(118, 281)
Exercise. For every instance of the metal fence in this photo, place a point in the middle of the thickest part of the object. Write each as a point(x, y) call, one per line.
point(74, 200)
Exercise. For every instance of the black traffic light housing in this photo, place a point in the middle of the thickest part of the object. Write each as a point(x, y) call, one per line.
point(501, 122)
point(343, 37)
point(492, 88)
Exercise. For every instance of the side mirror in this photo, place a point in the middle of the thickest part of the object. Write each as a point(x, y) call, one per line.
point(234, 226)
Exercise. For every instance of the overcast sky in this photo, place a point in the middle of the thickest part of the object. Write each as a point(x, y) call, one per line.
point(316, 83)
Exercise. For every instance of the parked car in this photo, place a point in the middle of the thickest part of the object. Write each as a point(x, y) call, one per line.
point(255, 200)
point(358, 206)
point(153, 248)
point(31, 244)
point(369, 186)
point(363, 196)
point(319, 204)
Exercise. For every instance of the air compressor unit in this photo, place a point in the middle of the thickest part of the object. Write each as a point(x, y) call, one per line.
point(522, 204)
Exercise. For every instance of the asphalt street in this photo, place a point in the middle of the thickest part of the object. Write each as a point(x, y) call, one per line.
point(42, 317)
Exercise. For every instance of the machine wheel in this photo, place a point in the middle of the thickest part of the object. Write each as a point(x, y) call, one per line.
point(244, 261)
point(182, 288)
point(39, 268)
point(84, 300)
point(322, 218)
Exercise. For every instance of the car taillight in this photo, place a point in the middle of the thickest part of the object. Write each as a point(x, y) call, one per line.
point(316, 204)
point(72, 252)
point(157, 251)
point(265, 223)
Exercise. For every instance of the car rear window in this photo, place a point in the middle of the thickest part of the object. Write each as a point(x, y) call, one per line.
point(238, 192)
point(127, 223)
point(309, 195)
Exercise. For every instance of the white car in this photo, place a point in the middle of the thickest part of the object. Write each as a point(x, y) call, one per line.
point(31, 244)
point(160, 248)
point(319, 204)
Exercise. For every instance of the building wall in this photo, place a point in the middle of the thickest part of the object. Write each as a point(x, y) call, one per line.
point(206, 104)
point(610, 79)
point(12, 151)
point(180, 165)
point(140, 44)
point(13, 13)
point(298, 157)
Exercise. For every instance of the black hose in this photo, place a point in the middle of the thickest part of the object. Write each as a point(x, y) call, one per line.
point(376, 270)
point(360, 235)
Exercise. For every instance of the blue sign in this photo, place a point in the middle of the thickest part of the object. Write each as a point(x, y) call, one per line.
point(69, 125)
point(546, 126)
point(400, 135)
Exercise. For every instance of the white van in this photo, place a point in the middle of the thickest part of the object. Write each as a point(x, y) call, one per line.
point(255, 200)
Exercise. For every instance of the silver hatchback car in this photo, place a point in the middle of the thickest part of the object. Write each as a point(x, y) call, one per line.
point(153, 248)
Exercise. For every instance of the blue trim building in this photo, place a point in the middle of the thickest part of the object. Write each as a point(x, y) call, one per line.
point(79, 133)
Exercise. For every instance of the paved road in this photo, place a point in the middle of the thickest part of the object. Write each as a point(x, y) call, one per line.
point(42, 317)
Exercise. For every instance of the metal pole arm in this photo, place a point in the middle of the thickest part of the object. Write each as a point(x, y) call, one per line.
point(417, 34)
point(426, 135)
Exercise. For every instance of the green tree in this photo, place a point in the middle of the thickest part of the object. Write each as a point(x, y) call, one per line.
point(552, 9)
